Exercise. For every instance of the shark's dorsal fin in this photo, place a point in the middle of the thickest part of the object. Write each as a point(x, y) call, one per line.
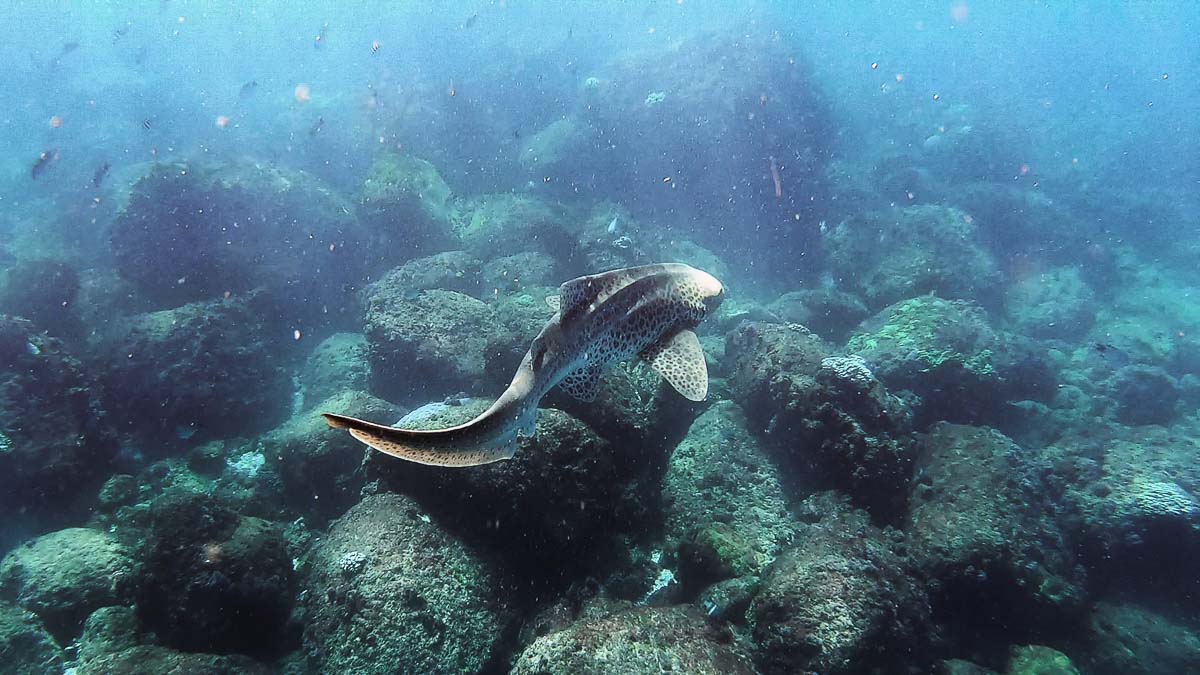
point(680, 361)
point(583, 383)
point(596, 288)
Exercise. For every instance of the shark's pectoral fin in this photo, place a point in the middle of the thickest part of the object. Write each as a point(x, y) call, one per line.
point(552, 301)
point(680, 360)
point(583, 383)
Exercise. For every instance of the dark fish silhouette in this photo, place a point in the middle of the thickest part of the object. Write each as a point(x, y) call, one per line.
point(148, 123)
point(43, 162)
point(1111, 355)
point(121, 32)
point(317, 126)
point(67, 48)
point(248, 89)
point(470, 21)
point(320, 39)
point(100, 174)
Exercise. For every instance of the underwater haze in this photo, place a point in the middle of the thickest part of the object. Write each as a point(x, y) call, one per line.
point(847, 337)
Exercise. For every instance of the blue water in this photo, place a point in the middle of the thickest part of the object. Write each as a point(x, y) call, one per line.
point(835, 164)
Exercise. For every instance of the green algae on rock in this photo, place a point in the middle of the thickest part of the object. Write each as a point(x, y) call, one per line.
point(647, 640)
point(25, 645)
point(391, 591)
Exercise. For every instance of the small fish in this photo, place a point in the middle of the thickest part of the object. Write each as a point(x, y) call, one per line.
point(317, 126)
point(470, 21)
point(248, 89)
point(1112, 355)
point(67, 48)
point(121, 32)
point(451, 90)
point(148, 123)
point(612, 225)
point(43, 162)
point(100, 174)
point(320, 39)
point(375, 46)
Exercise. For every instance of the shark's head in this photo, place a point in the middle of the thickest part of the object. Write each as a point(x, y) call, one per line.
point(712, 292)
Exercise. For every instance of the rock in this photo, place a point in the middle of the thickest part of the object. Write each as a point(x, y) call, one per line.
point(320, 467)
point(841, 600)
point(726, 509)
point(55, 439)
point(26, 646)
point(408, 203)
point(157, 659)
point(195, 231)
point(214, 581)
point(194, 371)
point(109, 630)
point(645, 640)
point(961, 667)
point(982, 524)
point(1144, 395)
point(827, 416)
point(889, 256)
point(428, 346)
point(119, 490)
point(1137, 496)
point(558, 503)
point(456, 271)
point(338, 363)
point(521, 271)
point(390, 591)
point(64, 576)
point(43, 291)
point(1056, 304)
point(828, 312)
point(947, 354)
point(498, 225)
point(1124, 639)
point(1039, 660)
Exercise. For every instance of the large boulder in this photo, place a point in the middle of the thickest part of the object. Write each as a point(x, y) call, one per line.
point(1054, 304)
point(55, 439)
point(1125, 639)
point(64, 576)
point(214, 581)
point(983, 523)
point(43, 291)
point(643, 640)
point(957, 365)
point(26, 646)
point(557, 505)
point(888, 256)
point(407, 203)
point(204, 370)
point(338, 363)
point(320, 467)
point(828, 415)
point(842, 600)
point(195, 231)
point(726, 509)
point(430, 344)
point(390, 591)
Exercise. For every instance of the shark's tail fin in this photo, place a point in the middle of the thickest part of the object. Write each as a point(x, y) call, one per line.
point(446, 447)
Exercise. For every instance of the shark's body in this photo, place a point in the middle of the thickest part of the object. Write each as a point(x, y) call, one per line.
point(646, 311)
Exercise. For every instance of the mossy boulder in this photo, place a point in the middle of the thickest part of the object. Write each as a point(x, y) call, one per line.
point(193, 231)
point(55, 438)
point(407, 202)
point(321, 468)
point(338, 363)
point(44, 291)
point(828, 312)
point(1039, 660)
point(26, 646)
point(984, 523)
point(888, 256)
point(560, 502)
point(214, 581)
point(946, 353)
point(843, 599)
point(644, 640)
point(1127, 639)
point(389, 591)
point(1055, 304)
point(496, 225)
point(826, 417)
point(428, 346)
point(725, 505)
point(195, 371)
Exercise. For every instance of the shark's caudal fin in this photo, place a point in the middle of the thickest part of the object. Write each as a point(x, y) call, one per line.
point(444, 447)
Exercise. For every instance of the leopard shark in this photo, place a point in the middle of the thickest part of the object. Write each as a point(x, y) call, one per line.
point(648, 311)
